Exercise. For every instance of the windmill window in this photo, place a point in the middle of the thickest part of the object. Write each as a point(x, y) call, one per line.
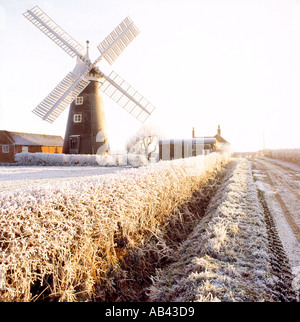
point(74, 141)
point(5, 148)
point(79, 100)
point(77, 118)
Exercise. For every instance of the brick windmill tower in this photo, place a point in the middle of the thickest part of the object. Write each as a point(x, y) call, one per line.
point(82, 88)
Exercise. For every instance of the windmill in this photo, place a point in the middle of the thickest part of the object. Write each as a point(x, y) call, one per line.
point(82, 88)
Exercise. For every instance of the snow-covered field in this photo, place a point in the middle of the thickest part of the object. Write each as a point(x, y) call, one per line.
point(35, 169)
point(20, 177)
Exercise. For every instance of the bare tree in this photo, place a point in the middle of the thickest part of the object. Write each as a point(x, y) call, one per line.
point(145, 141)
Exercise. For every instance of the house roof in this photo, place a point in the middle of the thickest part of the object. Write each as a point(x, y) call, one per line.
point(220, 139)
point(19, 138)
point(217, 137)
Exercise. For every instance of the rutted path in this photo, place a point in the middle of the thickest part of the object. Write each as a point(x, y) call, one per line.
point(280, 265)
point(278, 187)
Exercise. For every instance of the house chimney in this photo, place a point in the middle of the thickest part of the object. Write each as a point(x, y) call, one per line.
point(219, 130)
point(193, 133)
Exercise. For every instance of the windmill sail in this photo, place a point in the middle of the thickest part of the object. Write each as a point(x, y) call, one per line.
point(42, 21)
point(63, 95)
point(114, 44)
point(75, 82)
point(126, 96)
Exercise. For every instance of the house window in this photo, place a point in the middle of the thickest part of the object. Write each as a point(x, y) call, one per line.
point(24, 148)
point(77, 118)
point(5, 148)
point(79, 100)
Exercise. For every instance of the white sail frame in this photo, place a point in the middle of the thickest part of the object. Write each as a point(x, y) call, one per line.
point(115, 43)
point(126, 96)
point(52, 30)
point(59, 99)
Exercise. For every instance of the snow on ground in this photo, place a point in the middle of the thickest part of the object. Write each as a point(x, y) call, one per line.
point(20, 177)
point(288, 165)
point(280, 183)
point(34, 169)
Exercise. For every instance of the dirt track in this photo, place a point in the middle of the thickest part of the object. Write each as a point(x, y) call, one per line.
point(284, 184)
point(279, 184)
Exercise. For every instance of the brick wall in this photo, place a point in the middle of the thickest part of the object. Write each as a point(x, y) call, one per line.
point(51, 149)
point(7, 157)
point(13, 149)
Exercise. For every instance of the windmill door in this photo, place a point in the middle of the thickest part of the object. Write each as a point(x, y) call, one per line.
point(74, 144)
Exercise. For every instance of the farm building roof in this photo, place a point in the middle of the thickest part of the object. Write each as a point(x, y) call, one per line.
point(19, 138)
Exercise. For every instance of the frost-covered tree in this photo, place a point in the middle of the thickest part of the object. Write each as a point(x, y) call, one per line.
point(145, 141)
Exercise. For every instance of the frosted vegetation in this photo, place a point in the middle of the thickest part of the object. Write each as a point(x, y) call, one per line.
point(51, 159)
point(65, 240)
point(288, 155)
point(226, 258)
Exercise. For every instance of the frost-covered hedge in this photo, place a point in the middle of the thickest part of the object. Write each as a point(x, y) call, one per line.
point(226, 258)
point(289, 155)
point(63, 240)
point(52, 159)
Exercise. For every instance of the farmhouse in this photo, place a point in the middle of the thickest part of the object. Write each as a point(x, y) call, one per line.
point(12, 143)
point(170, 149)
point(218, 137)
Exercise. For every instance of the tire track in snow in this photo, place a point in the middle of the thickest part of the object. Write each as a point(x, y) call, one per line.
point(295, 176)
point(279, 262)
point(270, 173)
point(293, 173)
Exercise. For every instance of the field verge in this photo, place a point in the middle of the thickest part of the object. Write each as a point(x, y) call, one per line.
point(288, 155)
point(226, 258)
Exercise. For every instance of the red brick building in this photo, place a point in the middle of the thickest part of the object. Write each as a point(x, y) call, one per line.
point(12, 143)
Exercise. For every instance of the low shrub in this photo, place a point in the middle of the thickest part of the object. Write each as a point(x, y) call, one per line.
point(53, 159)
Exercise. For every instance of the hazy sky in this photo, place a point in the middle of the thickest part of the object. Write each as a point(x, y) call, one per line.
point(200, 62)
